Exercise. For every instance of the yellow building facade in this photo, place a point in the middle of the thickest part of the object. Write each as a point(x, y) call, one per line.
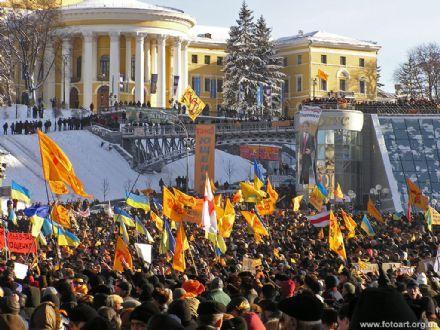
point(348, 68)
point(132, 51)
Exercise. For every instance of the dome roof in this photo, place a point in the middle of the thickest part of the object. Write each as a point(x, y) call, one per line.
point(126, 4)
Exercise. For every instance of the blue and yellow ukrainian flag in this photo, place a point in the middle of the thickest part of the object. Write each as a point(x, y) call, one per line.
point(140, 228)
point(20, 193)
point(258, 176)
point(366, 226)
point(66, 238)
point(12, 216)
point(121, 215)
point(123, 232)
point(36, 215)
point(322, 189)
point(138, 202)
point(167, 241)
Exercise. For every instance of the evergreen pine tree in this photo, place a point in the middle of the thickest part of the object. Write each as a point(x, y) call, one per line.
point(241, 65)
point(269, 66)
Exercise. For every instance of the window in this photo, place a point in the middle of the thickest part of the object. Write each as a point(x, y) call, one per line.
point(104, 65)
point(195, 82)
point(362, 86)
point(207, 84)
point(285, 89)
point(220, 85)
point(219, 60)
point(133, 68)
point(207, 59)
point(78, 67)
point(343, 60)
point(299, 59)
point(362, 62)
point(194, 59)
point(323, 84)
point(324, 59)
point(342, 85)
point(285, 61)
point(299, 83)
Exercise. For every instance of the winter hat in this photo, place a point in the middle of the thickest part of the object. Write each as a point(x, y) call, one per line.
point(11, 304)
point(304, 307)
point(253, 321)
point(330, 282)
point(381, 304)
point(193, 288)
point(49, 290)
point(350, 288)
point(180, 308)
point(163, 321)
point(240, 304)
point(82, 313)
point(144, 312)
point(216, 283)
point(287, 288)
point(178, 293)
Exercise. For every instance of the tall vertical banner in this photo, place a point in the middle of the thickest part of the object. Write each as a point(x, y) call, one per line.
point(306, 141)
point(153, 86)
point(175, 84)
point(205, 156)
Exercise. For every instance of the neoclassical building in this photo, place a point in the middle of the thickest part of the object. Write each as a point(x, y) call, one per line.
point(130, 50)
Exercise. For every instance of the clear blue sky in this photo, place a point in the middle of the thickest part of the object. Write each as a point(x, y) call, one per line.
point(396, 25)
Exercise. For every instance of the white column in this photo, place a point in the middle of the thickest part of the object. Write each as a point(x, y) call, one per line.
point(147, 51)
point(178, 66)
point(94, 58)
point(153, 97)
point(184, 66)
point(114, 65)
point(49, 84)
point(140, 71)
point(66, 70)
point(161, 71)
point(87, 70)
point(127, 57)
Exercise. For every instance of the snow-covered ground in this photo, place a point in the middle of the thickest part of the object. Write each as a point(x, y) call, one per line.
point(94, 164)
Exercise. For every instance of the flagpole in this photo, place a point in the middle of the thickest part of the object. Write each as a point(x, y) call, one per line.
point(190, 252)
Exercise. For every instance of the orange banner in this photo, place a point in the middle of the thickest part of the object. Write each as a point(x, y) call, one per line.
point(252, 152)
point(20, 242)
point(205, 156)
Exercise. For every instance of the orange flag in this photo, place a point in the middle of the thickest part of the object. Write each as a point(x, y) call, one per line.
point(172, 208)
point(183, 198)
point(335, 238)
point(61, 215)
point(322, 75)
point(182, 245)
point(57, 168)
point(122, 256)
point(373, 211)
point(254, 223)
point(237, 197)
point(416, 197)
point(350, 224)
point(266, 206)
point(271, 192)
point(157, 221)
point(227, 222)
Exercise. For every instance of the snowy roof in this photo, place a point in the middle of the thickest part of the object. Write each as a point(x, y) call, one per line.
point(209, 34)
point(326, 38)
point(130, 4)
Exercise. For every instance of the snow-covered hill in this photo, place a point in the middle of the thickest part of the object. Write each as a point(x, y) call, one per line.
point(93, 164)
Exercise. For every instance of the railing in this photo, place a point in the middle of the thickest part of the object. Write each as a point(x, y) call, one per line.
point(224, 128)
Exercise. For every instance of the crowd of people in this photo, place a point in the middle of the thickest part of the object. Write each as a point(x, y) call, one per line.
point(297, 283)
point(399, 106)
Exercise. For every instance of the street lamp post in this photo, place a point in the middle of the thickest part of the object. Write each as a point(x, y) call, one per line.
point(181, 124)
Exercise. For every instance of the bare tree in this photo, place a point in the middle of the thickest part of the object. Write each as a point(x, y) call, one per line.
point(230, 169)
point(419, 75)
point(28, 28)
point(105, 188)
